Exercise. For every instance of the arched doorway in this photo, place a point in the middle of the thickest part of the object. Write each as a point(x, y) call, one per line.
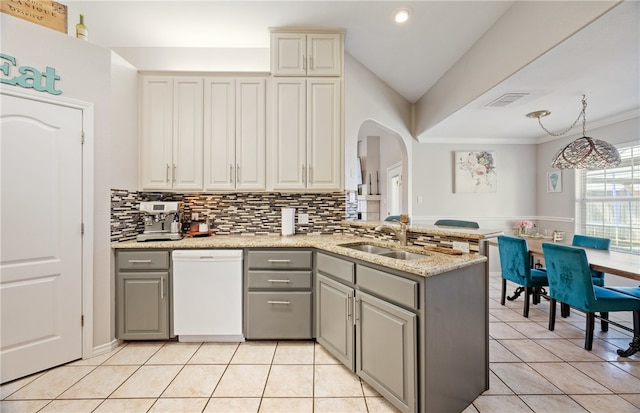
point(384, 161)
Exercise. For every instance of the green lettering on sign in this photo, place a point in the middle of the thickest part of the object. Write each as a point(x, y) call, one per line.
point(28, 77)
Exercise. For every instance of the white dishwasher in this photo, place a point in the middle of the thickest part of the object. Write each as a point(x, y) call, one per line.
point(207, 295)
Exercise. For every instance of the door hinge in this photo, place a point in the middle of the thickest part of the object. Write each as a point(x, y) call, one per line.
point(82, 228)
point(82, 137)
point(82, 320)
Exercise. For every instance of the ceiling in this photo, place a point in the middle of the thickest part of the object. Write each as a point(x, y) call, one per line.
point(601, 61)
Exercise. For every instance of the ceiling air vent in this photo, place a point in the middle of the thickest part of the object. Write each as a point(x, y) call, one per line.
point(506, 99)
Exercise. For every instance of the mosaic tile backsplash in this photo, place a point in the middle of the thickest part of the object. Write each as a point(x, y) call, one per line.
point(236, 213)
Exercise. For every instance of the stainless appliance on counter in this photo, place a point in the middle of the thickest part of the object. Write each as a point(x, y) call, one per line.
point(161, 221)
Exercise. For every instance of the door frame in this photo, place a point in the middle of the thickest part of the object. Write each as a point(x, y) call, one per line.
point(87, 109)
point(390, 169)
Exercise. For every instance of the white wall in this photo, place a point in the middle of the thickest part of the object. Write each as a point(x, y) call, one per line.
point(368, 98)
point(84, 75)
point(433, 180)
point(123, 134)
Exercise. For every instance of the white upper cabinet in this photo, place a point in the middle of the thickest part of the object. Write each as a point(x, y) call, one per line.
point(234, 130)
point(171, 133)
point(306, 54)
point(307, 133)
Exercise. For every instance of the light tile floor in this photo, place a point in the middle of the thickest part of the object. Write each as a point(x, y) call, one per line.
point(532, 370)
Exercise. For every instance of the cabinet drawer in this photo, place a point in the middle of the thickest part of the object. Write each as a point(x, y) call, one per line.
point(390, 286)
point(143, 260)
point(280, 280)
point(336, 267)
point(279, 315)
point(279, 259)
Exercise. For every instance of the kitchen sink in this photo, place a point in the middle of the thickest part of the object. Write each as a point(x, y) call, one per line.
point(402, 255)
point(384, 251)
point(370, 248)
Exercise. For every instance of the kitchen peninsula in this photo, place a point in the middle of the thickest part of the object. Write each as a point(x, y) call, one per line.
point(415, 329)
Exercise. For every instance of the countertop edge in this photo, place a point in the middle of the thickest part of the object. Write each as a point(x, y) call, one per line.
point(434, 263)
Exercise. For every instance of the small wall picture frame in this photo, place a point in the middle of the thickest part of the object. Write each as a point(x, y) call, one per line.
point(554, 181)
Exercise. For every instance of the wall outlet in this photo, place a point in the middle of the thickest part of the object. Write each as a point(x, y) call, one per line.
point(461, 246)
point(303, 219)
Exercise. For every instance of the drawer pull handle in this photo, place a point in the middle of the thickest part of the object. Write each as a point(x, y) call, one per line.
point(279, 281)
point(279, 261)
point(139, 261)
point(279, 302)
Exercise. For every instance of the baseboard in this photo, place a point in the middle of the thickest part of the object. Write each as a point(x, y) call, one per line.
point(105, 348)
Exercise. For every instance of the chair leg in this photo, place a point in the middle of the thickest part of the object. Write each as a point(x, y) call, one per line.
point(536, 295)
point(552, 314)
point(634, 346)
point(504, 291)
point(604, 325)
point(527, 295)
point(565, 310)
point(588, 339)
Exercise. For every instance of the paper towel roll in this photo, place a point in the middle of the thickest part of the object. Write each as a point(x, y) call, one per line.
point(288, 221)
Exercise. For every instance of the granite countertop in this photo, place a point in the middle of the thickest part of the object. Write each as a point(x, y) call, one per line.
point(462, 232)
point(433, 263)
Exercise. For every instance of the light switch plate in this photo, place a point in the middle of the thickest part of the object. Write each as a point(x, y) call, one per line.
point(461, 246)
point(303, 219)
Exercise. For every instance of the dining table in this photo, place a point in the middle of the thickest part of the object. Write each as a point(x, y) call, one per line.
point(610, 262)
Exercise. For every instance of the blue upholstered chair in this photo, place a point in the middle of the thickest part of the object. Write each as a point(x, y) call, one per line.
point(570, 283)
point(597, 277)
point(456, 223)
point(393, 218)
point(595, 243)
point(515, 264)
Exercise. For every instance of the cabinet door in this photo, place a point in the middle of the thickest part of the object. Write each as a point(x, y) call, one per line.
point(250, 134)
point(288, 54)
point(219, 133)
point(386, 350)
point(334, 319)
point(187, 133)
point(156, 139)
point(324, 53)
point(324, 134)
point(143, 305)
point(289, 123)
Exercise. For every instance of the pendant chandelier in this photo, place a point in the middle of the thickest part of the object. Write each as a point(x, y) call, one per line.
point(584, 152)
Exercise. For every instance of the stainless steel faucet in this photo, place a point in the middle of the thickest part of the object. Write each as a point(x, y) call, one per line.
point(400, 233)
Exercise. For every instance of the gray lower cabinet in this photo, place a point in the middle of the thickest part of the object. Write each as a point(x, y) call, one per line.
point(386, 352)
point(334, 318)
point(359, 323)
point(278, 294)
point(143, 295)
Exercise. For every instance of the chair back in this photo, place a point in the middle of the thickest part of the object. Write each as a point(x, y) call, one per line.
point(393, 218)
point(569, 275)
point(591, 242)
point(457, 223)
point(514, 259)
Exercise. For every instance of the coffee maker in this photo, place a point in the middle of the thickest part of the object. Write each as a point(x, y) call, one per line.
point(158, 217)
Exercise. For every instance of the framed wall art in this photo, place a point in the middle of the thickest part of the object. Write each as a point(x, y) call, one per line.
point(554, 181)
point(475, 171)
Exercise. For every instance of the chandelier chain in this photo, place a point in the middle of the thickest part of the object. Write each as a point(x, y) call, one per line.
point(582, 115)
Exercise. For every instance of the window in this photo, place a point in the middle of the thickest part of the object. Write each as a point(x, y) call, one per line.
point(609, 202)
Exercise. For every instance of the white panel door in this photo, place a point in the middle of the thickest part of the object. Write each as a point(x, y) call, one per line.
point(41, 254)
point(219, 134)
point(250, 134)
point(324, 134)
point(290, 142)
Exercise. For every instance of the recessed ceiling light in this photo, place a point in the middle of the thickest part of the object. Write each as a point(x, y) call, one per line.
point(401, 15)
